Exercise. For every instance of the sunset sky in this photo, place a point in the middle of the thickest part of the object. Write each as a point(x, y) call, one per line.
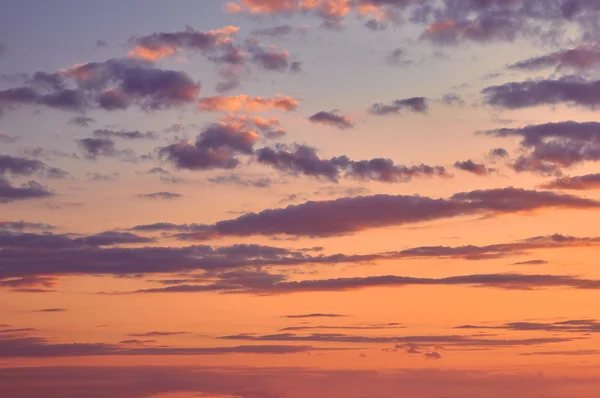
point(299, 199)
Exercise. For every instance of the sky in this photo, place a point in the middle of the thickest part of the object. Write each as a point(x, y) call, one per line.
point(299, 198)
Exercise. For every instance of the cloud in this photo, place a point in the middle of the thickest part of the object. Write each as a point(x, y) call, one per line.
point(24, 225)
point(270, 128)
point(8, 139)
point(414, 104)
point(156, 334)
point(20, 347)
point(584, 182)
point(398, 58)
point(562, 353)
point(498, 153)
point(216, 147)
point(275, 31)
point(29, 190)
point(270, 382)
point(484, 28)
point(520, 247)
point(94, 147)
point(235, 179)
point(82, 121)
point(549, 147)
point(354, 214)
point(159, 45)
point(470, 166)
point(579, 58)
point(531, 262)
point(270, 59)
point(567, 90)
point(433, 355)
point(51, 310)
point(161, 195)
point(103, 177)
point(245, 103)
point(315, 315)
point(568, 326)
point(302, 159)
point(340, 327)
point(332, 119)
point(447, 340)
point(127, 135)
point(110, 85)
point(18, 166)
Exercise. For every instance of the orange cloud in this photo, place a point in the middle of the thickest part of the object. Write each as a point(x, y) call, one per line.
point(247, 103)
point(160, 45)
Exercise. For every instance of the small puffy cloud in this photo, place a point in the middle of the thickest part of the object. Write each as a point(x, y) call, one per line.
point(160, 195)
point(470, 166)
point(82, 121)
point(245, 103)
point(215, 147)
point(159, 45)
point(414, 104)
point(332, 119)
point(29, 190)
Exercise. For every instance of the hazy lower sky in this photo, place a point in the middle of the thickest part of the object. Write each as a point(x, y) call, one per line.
point(299, 198)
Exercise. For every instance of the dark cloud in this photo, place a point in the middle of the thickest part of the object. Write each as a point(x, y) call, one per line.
point(29, 190)
point(18, 166)
point(452, 100)
point(472, 252)
point(24, 225)
point(216, 147)
point(498, 153)
point(472, 167)
point(94, 147)
point(128, 135)
point(549, 147)
point(447, 340)
point(270, 382)
point(235, 179)
point(531, 262)
point(567, 90)
point(569, 326)
point(353, 214)
point(110, 238)
point(101, 43)
point(270, 59)
point(414, 104)
point(302, 159)
point(111, 85)
point(562, 353)
point(340, 327)
point(315, 315)
point(161, 195)
point(584, 182)
point(20, 347)
point(332, 119)
point(156, 334)
point(433, 355)
point(51, 310)
point(82, 121)
point(579, 58)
